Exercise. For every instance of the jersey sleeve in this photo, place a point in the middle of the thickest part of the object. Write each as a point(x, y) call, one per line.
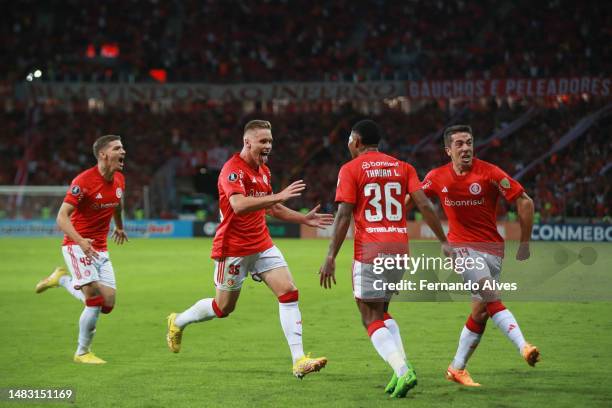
point(509, 188)
point(76, 191)
point(346, 191)
point(413, 179)
point(428, 186)
point(231, 182)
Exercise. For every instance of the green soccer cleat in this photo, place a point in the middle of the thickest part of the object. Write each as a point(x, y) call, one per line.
point(392, 383)
point(404, 384)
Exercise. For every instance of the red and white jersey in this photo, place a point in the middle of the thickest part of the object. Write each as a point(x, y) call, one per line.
point(95, 199)
point(246, 234)
point(470, 202)
point(377, 185)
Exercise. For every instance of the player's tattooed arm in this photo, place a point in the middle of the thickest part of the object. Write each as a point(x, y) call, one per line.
point(242, 204)
point(525, 210)
point(119, 234)
point(341, 226)
point(64, 223)
point(431, 218)
point(312, 218)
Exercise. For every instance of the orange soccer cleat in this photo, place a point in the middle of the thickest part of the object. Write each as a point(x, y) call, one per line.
point(460, 376)
point(531, 354)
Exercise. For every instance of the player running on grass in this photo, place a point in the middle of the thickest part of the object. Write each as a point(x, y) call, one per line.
point(373, 188)
point(242, 245)
point(468, 190)
point(94, 197)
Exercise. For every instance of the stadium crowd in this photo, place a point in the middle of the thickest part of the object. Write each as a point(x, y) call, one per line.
point(310, 145)
point(218, 42)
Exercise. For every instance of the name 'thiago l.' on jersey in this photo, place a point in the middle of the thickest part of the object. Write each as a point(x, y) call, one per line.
point(377, 185)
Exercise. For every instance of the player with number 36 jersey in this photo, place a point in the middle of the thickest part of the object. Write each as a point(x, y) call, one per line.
point(373, 189)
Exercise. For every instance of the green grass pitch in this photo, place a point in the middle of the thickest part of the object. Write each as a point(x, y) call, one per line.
point(244, 360)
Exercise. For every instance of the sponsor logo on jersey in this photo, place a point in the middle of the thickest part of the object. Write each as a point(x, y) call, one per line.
point(232, 177)
point(444, 189)
point(463, 203)
point(119, 192)
point(265, 179)
point(475, 188)
point(384, 230)
point(367, 165)
point(505, 183)
point(99, 196)
point(254, 180)
point(75, 190)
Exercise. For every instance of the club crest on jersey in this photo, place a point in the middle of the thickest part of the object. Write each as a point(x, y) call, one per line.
point(475, 188)
point(75, 190)
point(118, 192)
point(232, 177)
point(505, 183)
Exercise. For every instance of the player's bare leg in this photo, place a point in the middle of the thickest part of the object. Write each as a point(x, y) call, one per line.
point(280, 282)
point(98, 298)
point(404, 376)
point(220, 306)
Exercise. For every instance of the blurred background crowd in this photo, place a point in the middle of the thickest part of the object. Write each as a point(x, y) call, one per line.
point(235, 42)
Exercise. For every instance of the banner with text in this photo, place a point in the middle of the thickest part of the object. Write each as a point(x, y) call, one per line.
point(374, 90)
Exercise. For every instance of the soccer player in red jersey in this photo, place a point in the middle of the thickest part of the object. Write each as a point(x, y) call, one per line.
point(468, 190)
point(373, 188)
point(94, 197)
point(242, 245)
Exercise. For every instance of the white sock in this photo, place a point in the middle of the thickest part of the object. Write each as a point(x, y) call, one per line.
point(395, 332)
point(468, 341)
point(506, 322)
point(201, 311)
point(383, 342)
point(66, 282)
point(87, 328)
point(291, 322)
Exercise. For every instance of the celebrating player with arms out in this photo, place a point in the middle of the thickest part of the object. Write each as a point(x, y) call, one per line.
point(373, 188)
point(93, 198)
point(468, 190)
point(242, 245)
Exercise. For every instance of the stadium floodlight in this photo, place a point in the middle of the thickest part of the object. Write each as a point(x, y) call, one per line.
point(37, 73)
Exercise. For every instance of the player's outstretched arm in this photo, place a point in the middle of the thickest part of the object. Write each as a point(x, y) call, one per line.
point(242, 204)
point(525, 209)
point(341, 226)
point(431, 218)
point(312, 218)
point(119, 234)
point(64, 223)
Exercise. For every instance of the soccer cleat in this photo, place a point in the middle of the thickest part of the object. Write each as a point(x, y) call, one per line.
point(174, 335)
point(392, 383)
point(531, 354)
point(51, 281)
point(88, 358)
point(307, 365)
point(460, 376)
point(404, 384)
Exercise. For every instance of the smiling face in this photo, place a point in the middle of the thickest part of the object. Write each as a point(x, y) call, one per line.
point(461, 150)
point(258, 144)
point(112, 156)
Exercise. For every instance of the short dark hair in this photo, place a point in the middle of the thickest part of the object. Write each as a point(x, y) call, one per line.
point(102, 142)
point(257, 124)
point(369, 131)
point(451, 130)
